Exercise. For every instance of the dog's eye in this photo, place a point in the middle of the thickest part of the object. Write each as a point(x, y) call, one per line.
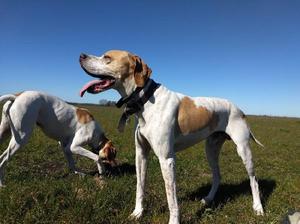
point(107, 58)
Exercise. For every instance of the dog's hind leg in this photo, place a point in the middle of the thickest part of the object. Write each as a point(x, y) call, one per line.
point(20, 136)
point(4, 126)
point(9, 152)
point(240, 134)
point(13, 147)
point(68, 155)
point(213, 146)
point(244, 152)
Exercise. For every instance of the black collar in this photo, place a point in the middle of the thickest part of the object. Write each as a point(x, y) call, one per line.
point(135, 101)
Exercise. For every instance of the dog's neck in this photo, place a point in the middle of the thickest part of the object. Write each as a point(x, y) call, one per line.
point(139, 95)
point(125, 88)
point(135, 102)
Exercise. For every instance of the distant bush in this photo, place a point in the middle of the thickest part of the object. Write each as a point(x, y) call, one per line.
point(108, 103)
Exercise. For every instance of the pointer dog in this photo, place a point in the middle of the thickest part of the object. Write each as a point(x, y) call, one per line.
point(169, 122)
point(73, 127)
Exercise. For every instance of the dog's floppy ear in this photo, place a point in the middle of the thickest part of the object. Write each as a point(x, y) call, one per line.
point(141, 71)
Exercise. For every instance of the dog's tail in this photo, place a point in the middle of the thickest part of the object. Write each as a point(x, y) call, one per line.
point(254, 139)
point(7, 97)
point(5, 120)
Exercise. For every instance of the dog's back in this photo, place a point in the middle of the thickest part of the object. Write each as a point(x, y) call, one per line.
point(53, 115)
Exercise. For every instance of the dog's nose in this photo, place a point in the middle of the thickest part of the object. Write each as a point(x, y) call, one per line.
point(82, 56)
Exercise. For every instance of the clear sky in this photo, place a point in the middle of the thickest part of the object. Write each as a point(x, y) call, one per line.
point(246, 51)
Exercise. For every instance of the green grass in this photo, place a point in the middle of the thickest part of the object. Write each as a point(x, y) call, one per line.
point(40, 189)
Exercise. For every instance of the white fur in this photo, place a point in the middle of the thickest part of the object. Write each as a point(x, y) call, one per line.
point(157, 129)
point(56, 118)
point(157, 125)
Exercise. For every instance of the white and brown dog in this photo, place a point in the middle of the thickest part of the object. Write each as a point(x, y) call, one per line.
point(73, 127)
point(169, 122)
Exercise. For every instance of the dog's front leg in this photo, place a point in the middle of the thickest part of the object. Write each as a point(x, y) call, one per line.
point(81, 138)
point(167, 166)
point(142, 149)
point(77, 149)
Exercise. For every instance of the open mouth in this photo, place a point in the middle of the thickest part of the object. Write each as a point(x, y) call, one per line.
point(96, 86)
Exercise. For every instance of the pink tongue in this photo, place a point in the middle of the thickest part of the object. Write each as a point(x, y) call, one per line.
point(90, 84)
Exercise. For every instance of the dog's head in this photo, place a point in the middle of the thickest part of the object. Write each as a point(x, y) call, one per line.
point(108, 152)
point(115, 69)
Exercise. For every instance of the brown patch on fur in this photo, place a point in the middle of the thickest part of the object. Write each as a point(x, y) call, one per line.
point(83, 115)
point(108, 152)
point(125, 65)
point(192, 118)
point(120, 63)
point(141, 71)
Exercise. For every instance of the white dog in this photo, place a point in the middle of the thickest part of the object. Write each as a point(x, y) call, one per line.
point(169, 122)
point(73, 127)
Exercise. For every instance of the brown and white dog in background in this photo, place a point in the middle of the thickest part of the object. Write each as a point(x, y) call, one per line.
point(73, 127)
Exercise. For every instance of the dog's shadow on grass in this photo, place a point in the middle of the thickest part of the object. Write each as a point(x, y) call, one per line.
point(229, 192)
point(118, 170)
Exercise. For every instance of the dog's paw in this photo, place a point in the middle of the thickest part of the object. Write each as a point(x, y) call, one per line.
point(1, 184)
point(80, 174)
point(101, 169)
point(136, 214)
point(206, 201)
point(258, 210)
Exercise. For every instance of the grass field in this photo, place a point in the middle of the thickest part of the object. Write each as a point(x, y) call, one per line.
point(40, 188)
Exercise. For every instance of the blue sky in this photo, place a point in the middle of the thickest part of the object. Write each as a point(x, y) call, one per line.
point(246, 51)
